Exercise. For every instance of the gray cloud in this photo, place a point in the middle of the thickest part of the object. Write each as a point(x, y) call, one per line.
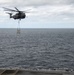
point(45, 8)
point(36, 2)
point(43, 2)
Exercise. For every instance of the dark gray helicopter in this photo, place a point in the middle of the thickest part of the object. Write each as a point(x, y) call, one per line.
point(19, 15)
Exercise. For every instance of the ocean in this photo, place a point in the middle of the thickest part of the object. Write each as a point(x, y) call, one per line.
point(37, 48)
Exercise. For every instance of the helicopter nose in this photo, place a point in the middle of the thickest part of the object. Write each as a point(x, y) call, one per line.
point(24, 16)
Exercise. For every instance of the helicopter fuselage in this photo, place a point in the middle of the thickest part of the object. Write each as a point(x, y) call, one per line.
point(18, 16)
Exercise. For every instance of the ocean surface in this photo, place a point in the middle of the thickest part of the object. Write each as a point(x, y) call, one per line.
point(37, 48)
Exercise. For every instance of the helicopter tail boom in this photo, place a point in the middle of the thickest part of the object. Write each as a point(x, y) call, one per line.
point(10, 14)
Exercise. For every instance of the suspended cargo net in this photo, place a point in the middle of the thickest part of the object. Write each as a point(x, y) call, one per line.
point(18, 28)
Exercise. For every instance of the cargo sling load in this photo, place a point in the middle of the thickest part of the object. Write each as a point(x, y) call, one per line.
point(17, 16)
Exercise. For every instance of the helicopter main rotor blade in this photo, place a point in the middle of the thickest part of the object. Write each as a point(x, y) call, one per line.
point(25, 12)
point(7, 9)
point(17, 9)
point(22, 11)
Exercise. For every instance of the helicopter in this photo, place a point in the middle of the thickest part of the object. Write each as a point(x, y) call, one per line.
point(19, 15)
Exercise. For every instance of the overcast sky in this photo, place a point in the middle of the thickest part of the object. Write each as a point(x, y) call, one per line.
point(43, 13)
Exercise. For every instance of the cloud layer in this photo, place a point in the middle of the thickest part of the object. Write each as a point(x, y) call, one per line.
point(36, 2)
point(53, 10)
